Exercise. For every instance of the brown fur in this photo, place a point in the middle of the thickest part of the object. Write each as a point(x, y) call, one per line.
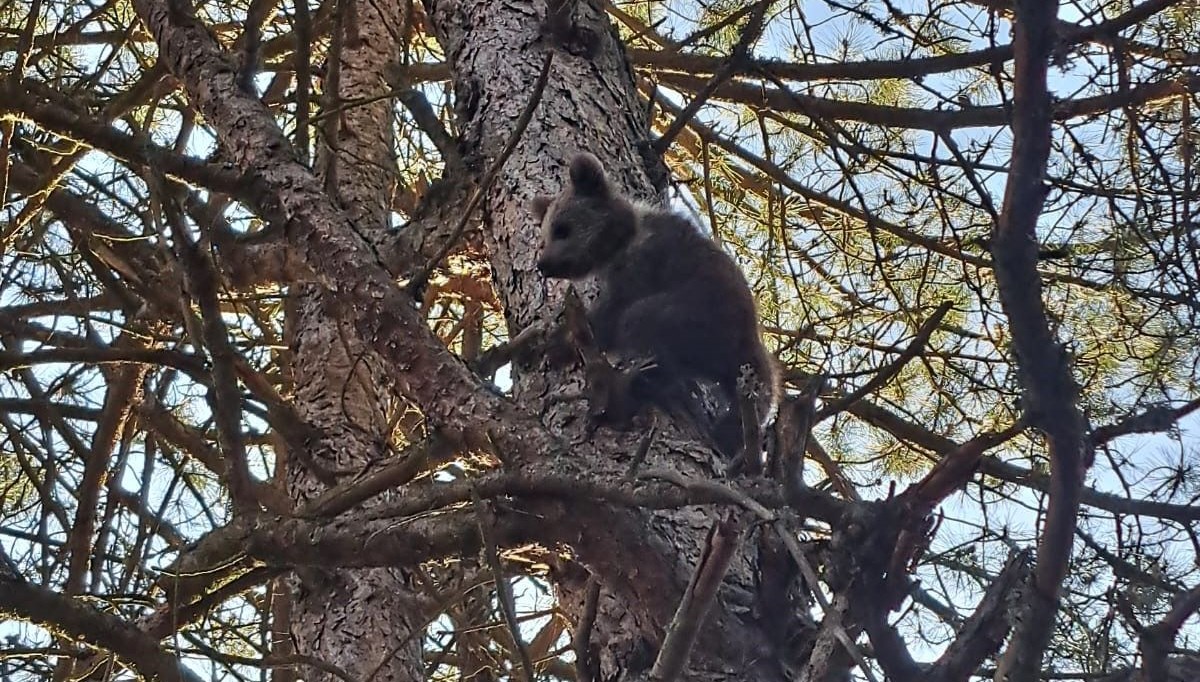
point(668, 295)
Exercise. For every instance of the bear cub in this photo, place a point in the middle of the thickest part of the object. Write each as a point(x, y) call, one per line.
point(671, 305)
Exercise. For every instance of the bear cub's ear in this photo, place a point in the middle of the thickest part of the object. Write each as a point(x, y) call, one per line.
point(587, 176)
point(539, 205)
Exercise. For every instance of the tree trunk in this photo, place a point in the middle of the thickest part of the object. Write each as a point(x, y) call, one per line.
point(643, 560)
point(357, 619)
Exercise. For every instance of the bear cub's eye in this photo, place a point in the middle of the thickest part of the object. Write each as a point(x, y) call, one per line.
point(560, 231)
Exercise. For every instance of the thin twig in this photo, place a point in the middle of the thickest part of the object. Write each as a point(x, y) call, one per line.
point(788, 538)
point(749, 391)
point(739, 56)
point(837, 477)
point(714, 28)
point(885, 375)
point(790, 461)
point(427, 120)
point(8, 127)
point(715, 489)
point(789, 541)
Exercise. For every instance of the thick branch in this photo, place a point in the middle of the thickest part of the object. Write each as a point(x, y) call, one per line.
point(786, 101)
point(1011, 473)
point(1159, 639)
point(1050, 393)
point(724, 538)
point(983, 633)
point(64, 614)
point(872, 69)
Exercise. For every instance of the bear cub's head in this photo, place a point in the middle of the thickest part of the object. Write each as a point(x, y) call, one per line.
point(586, 225)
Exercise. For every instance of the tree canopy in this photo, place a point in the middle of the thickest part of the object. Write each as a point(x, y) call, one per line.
point(283, 396)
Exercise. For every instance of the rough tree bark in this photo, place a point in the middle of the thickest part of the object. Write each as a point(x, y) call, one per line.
point(494, 49)
point(365, 621)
